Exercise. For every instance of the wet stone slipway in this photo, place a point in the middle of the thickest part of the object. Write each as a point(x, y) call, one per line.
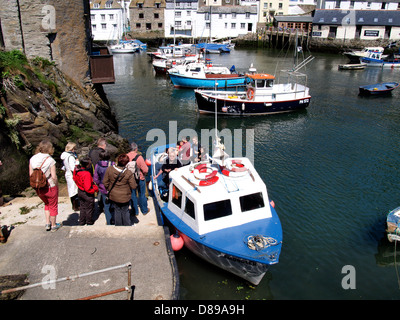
point(78, 250)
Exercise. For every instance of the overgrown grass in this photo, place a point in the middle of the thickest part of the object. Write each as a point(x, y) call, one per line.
point(12, 60)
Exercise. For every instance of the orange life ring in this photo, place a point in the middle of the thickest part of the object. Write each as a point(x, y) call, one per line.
point(250, 94)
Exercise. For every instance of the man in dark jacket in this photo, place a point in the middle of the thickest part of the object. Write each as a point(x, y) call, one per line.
point(94, 154)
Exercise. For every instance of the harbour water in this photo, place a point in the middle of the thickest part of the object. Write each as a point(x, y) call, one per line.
point(332, 171)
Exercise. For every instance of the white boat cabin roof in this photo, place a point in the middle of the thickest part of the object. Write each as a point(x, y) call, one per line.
point(230, 201)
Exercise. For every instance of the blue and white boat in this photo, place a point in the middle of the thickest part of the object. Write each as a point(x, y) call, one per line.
point(214, 47)
point(205, 75)
point(222, 211)
point(393, 225)
point(378, 88)
point(375, 59)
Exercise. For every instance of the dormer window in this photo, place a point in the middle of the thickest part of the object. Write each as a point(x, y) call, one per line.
point(109, 4)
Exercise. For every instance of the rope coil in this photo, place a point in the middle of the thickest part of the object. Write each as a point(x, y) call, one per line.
point(259, 242)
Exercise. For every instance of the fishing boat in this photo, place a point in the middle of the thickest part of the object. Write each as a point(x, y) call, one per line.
point(205, 75)
point(261, 95)
point(393, 225)
point(222, 212)
point(352, 66)
point(355, 55)
point(375, 59)
point(378, 88)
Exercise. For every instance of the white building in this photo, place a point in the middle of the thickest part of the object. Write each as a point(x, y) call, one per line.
point(225, 21)
point(356, 24)
point(180, 18)
point(108, 19)
point(361, 5)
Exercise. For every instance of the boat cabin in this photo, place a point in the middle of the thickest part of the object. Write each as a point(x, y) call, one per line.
point(207, 197)
point(260, 80)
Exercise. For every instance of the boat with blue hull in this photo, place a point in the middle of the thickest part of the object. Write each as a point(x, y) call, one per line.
point(223, 215)
point(378, 88)
point(204, 75)
point(376, 59)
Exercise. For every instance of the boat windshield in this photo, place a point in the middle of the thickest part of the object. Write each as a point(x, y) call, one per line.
point(217, 209)
point(251, 202)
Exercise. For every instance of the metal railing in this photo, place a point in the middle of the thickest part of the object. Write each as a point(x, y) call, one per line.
point(128, 288)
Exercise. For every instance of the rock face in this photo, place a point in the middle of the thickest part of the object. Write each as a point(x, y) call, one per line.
point(39, 101)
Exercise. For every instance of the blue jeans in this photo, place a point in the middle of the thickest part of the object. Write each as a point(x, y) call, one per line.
point(109, 215)
point(140, 198)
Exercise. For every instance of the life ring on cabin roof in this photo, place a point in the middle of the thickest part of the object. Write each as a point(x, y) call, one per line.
point(205, 175)
point(250, 93)
point(235, 169)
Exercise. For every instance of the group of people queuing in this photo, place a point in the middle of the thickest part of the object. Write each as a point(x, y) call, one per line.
point(118, 184)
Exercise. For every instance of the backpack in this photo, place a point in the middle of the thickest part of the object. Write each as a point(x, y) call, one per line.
point(38, 179)
point(132, 166)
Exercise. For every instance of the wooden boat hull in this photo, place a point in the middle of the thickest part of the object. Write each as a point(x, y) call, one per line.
point(248, 108)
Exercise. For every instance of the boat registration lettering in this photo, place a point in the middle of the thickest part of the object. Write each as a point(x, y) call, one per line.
point(252, 263)
point(304, 101)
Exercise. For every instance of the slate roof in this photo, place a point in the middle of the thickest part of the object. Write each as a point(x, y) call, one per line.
point(230, 9)
point(357, 17)
point(292, 18)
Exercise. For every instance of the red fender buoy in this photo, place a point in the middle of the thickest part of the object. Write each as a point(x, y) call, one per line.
point(148, 162)
point(176, 242)
point(272, 203)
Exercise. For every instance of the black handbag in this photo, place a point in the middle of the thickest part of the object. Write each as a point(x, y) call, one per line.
point(107, 200)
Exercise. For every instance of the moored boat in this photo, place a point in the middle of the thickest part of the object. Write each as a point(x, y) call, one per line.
point(355, 55)
point(204, 75)
point(378, 88)
point(222, 212)
point(375, 59)
point(261, 96)
point(161, 66)
point(124, 47)
point(393, 225)
point(352, 66)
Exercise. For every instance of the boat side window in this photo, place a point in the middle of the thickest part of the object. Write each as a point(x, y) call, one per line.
point(176, 196)
point(217, 209)
point(189, 208)
point(251, 202)
point(196, 69)
point(270, 83)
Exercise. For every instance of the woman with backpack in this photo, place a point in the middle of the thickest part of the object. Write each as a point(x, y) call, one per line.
point(99, 172)
point(42, 173)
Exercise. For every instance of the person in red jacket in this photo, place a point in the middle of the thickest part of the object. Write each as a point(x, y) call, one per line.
point(86, 190)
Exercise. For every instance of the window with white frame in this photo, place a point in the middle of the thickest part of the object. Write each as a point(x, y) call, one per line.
point(111, 17)
point(242, 26)
point(233, 25)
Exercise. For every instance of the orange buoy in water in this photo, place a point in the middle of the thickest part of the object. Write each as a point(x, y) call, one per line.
point(272, 203)
point(176, 242)
point(148, 162)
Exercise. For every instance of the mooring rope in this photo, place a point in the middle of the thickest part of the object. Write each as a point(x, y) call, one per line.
point(259, 242)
